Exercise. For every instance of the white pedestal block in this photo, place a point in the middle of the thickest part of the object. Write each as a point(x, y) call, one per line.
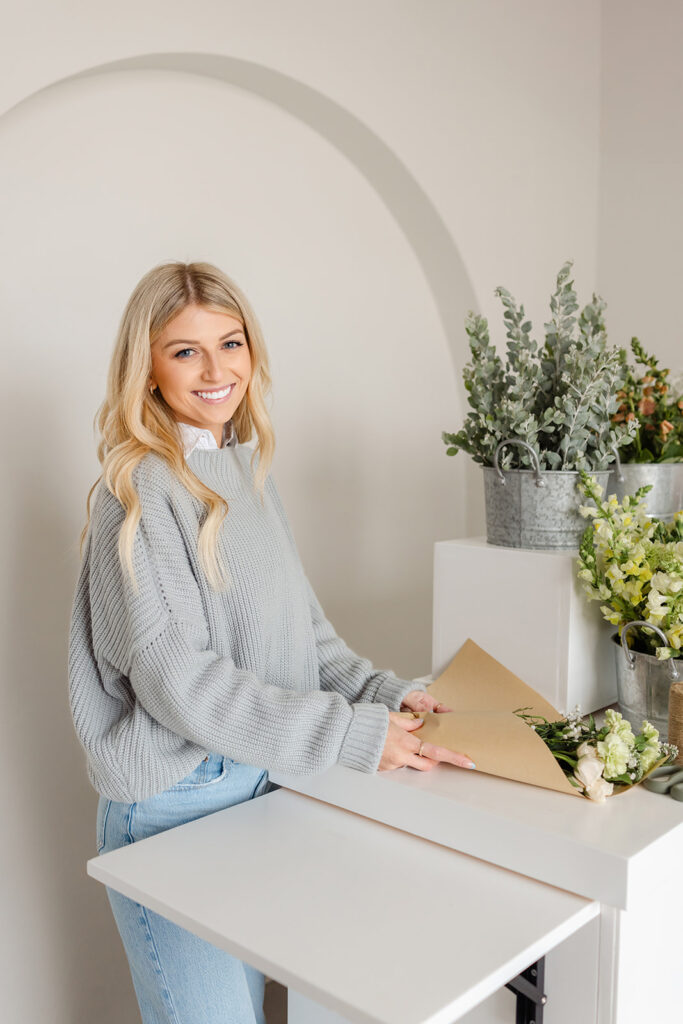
point(527, 609)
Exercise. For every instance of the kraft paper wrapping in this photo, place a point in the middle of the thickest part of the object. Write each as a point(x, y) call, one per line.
point(483, 695)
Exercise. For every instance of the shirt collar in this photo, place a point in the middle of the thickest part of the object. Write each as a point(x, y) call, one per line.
point(202, 437)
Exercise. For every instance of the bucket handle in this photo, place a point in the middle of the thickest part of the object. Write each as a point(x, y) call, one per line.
point(534, 458)
point(631, 658)
point(617, 469)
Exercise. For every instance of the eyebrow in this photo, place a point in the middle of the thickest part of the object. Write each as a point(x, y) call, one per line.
point(184, 341)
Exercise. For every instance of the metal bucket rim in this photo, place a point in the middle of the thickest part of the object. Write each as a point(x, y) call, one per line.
point(548, 472)
point(615, 638)
point(652, 465)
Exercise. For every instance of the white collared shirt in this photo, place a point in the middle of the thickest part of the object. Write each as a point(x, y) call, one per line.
point(202, 437)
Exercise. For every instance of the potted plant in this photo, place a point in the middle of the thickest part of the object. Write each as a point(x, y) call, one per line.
point(653, 401)
point(633, 564)
point(541, 416)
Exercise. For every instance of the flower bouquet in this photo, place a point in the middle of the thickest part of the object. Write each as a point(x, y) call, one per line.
point(634, 565)
point(510, 730)
point(596, 760)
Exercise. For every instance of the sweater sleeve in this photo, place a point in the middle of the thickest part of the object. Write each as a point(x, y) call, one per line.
point(341, 670)
point(156, 636)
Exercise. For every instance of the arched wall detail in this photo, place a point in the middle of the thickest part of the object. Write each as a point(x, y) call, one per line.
point(427, 234)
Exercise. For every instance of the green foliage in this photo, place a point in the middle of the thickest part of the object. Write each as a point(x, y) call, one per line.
point(653, 402)
point(559, 397)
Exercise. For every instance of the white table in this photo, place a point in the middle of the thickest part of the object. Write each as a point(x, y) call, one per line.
point(627, 855)
point(365, 920)
point(344, 885)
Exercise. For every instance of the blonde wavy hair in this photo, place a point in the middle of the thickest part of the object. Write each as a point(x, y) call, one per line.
point(133, 421)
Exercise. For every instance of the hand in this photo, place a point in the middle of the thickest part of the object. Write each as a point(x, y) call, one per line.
point(402, 748)
point(418, 700)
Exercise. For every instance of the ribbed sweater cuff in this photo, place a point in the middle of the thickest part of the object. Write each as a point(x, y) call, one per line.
point(364, 742)
point(392, 691)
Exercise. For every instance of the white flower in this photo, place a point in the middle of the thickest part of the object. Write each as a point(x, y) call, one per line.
point(666, 583)
point(652, 751)
point(602, 530)
point(599, 790)
point(589, 773)
point(675, 382)
point(614, 573)
point(589, 768)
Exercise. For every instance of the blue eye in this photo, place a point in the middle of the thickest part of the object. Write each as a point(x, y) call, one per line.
point(183, 353)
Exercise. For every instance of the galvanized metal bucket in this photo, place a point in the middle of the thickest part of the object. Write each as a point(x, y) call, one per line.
point(666, 497)
point(644, 682)
point(533, 508)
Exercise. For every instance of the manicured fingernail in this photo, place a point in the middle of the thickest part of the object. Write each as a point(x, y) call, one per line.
point(471, 765)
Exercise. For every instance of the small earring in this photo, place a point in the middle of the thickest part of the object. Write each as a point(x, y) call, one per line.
point(152, 388)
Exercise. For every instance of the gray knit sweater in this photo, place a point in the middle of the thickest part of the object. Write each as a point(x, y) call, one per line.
point(161, 677)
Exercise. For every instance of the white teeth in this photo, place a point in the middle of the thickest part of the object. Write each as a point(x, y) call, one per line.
point(215, 394)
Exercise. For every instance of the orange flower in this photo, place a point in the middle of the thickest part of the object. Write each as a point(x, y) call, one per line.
point(631, 416)
point(666, 427)
point(647, 391)
point(646, 380)
point(646, 406)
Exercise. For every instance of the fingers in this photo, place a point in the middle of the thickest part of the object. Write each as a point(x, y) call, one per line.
point(399, 746)
point(409, 724)
point(417, 700)
point(423, 764)
point(449, 756)
point(436, 754)
point(402, 750)
point(420, 760)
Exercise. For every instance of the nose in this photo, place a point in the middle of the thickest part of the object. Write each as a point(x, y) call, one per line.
point(211, 369)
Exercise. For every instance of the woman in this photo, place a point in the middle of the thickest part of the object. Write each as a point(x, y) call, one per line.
point(199, 656)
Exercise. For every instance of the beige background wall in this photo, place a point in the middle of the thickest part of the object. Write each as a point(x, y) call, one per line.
point(367, 172)
point(640, 263)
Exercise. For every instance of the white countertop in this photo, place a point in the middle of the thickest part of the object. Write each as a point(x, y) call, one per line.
point(373, 923)
point(602, 851)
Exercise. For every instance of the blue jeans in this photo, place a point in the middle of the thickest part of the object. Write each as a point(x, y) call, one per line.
point(179, 978)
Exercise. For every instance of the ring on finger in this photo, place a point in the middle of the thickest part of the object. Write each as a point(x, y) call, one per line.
point(419, 753)
point(437, 706)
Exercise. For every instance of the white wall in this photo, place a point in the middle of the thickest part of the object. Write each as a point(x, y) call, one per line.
point(641, 210)
point(367, 172)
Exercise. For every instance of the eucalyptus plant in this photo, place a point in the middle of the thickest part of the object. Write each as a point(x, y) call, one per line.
point(559, 397)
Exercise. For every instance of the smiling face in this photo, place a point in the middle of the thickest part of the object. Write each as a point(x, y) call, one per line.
point(201, 365)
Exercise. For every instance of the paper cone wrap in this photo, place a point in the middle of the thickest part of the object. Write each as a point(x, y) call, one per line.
point(484, 695)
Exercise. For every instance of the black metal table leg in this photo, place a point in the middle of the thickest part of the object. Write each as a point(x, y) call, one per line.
point(528, 987)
